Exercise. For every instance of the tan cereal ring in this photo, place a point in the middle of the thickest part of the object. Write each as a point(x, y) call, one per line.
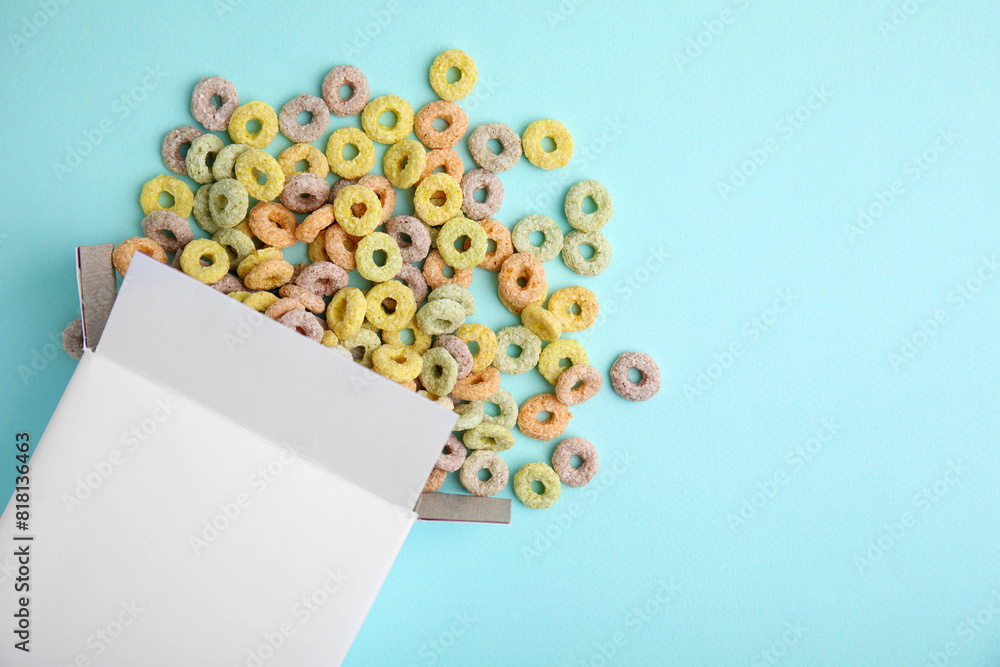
point(568, 393)
point(309, 300)
point(451, 113)
point(122, 255)
point(273, 224)
point(434, 272)
point(553, 427)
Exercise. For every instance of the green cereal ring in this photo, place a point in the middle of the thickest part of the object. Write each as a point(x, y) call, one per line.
point(197, 157)
point(368, 220)
point(475, 251)
point(441, 316)
point(542, 323)
point(227, 202)
point(258, 111)
point(426, 204)
point(404, 162)
point(346, 312)
point(383, 134)
point(470, 415)
point(225, 162)
point(202, 210)
point(439, 75)
point(576, 262)
point(397, 362)
point(469, 474)
point(531, 141)
point(251, 165)
point(523, 337)
point(588, 222)
point(204, 248)
point(176, 188)
point(504, 400)
point(405, 305)
point(520, 236)
point(237, 244)
point(537, 472)
point(556, 351)
point(440, 371)
point(455, 293)
point(364, 256)
point(493, 437)
point(362, 345)
point(357, 166)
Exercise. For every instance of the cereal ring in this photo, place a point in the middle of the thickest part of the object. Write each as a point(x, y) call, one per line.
point(299, 268)
point(576, 262)
point(537, 155)
point(421, 340)
point(589, 379)
point(553, 427)
point(238, 245)
point(225, 161)
point(446, 158)
point(202, 209)
point(411, 236)
point(214, 118)
point(175, 187)
point(433, 232)
point(561, 305)
point(315, 249)
point(648, 384)
point(364, 221)
point(542, 323)
point(340, 247)
point(171, 147)
point(555, 352)
point(269, 275)
point(397, 362)
point(453, 456)
point(197, 157)
point(228, 284)
point(470, 415)
point(475, 243)
point(504, 400)
point(346, 312)
point(537, 472)
point(477, 385)
point(435, 481)
point(521, 236)
point(340, 185)
point(122, 255)
point(404, 162)
point(281, 307)
point(227, 203)
point(362, 345)
point(310, 301)
point(486, 344)
point(304, 193)
point(213, 252)
point(323, 279)
point(455, 293)
point(450, 113)
point(411, 276)
point(259, 257)
point(304, 323)
point(504, 248)
point(434, 272)
point(481, 179)
point(316, 162)
point(439, 372)
point(315, 222)
point(72, 342)
point(492, 437)
point(403, 310)
point(253, 164)
point(510, 147)
point(588, 222)
point(469, 475)
point(154, 224)
point(329, 338)
point(367, 266)
point(441, 316)
point(288, 119)
point(259, 111)
point(522, 337)
point(345, 75)
point(459, 351)
point(385, 134)
point(439, 75)
point(259, 301)
point(381, 186)
point(425, 199)
point(273, 224)
point(357, 166)
point(522, 267)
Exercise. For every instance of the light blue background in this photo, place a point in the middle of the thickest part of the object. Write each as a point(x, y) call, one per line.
point(693, 273)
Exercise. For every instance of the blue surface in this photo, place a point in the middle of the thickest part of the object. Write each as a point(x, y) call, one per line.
point(808, 487)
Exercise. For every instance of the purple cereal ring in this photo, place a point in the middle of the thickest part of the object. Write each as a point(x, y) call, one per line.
point(340, 185)
point(510, 143)
point(304, 193)
point(646, 387)
point(154, 224)
point(171, 148)
point(323, 278)
point(72, 342)
point(453, 456)
point(458, 349)
point(350, 76)
point(479, 179)
point(210, 116)
point(228, 284)
point(305, 323)
point(419, 243)
point(288, 119)
point(588, 375)
point(414, 279)
point(562, 460)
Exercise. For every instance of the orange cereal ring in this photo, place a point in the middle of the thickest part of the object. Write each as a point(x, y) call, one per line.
point(273, 224)
point(500, 236)
point(553, 427)
point(312, 302)
point(434, 272)
point(381, 186)
point(450, 113)
point(340, 247)
point(522, 267)
point(314, 223)
point(447, 158)
point(122, 255)
point(436, 480)
point(477, 385)
point(269, 275)
point(589, 379)
point(282, 306)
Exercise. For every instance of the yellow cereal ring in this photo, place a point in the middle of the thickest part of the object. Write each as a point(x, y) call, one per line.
point(330, 339)
point(556, 351)
point(250, 165)
point(214, 252)
point(259, 111)
point(175, 187)
point(439, 75)
point(269, 275)
point(421, 339)
point(562, 301)
point(260, 301)
point(255, 258)
point(122, 255)
point(486, 341)
point(317, 249)
point(239, 295)
point(316, 162)
point(357, 166)
point(397, 362)
point(405, 309)
point(343, 210)
point(542, 323)
point(536, 154)
point(346, 312)
point(404, 163)
point(426, 193)
point(376, 131)
point(365, 258)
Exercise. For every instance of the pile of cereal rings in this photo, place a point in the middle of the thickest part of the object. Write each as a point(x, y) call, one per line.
point(254, 206)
